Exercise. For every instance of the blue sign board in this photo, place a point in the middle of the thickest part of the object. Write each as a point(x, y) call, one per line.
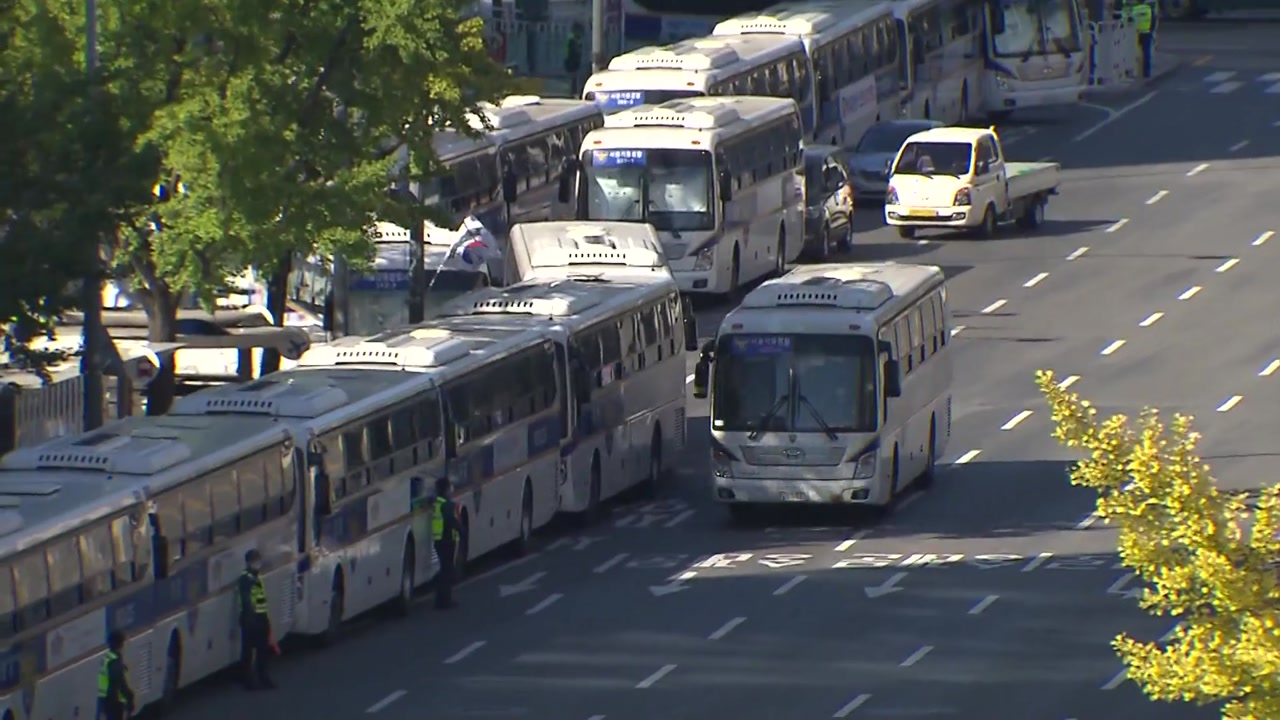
point(382, 280)
point(760, 344)
point(619, 100)
point(617, 158)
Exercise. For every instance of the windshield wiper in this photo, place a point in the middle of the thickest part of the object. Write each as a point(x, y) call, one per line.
point(766, 418)
point(831, 434)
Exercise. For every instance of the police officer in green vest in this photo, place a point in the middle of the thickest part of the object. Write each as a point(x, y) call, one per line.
point(1143, 18)
point(115, 697)
point(255, 625)
point(445, 535)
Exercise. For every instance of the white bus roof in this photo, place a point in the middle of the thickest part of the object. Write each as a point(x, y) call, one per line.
point(559, 249)
point(706, 54)
point(819, 20)
point(541, 302)
point(879, 290)
point(70, 481)
point(691, 121)
point(519, 116)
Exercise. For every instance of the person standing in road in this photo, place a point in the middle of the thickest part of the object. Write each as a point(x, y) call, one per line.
point(444, 535)
point(1143, 18)
point(255, 625)
point(115, 697)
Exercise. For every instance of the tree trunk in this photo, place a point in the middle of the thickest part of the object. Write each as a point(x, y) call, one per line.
point(162, 317)
point(277, 296)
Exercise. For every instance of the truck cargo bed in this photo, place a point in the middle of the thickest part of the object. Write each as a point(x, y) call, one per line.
point(1031, 178)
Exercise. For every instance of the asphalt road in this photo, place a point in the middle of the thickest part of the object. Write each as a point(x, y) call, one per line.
point(990, 596)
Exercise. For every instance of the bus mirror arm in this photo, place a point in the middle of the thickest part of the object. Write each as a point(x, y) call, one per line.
point(892, 379)
point(701, 371)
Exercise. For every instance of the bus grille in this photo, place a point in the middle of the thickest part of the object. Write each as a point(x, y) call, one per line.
point(794, 456)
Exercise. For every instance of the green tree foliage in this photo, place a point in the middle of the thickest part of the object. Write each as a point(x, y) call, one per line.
point(1207, 556)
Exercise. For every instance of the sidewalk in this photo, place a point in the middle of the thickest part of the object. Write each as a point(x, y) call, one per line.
point(1162, 65)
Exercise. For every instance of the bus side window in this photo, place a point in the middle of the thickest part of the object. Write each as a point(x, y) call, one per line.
point(930, 328)
point(226, 505)
point(198, 515)
point(124, 565)
point(8, 604)
point(939, 319)
point(31, 580)
point(96, 562)
point(172, 523)
point(904, 345)
point(252, 483)
point(64, 576)
point(917, 334)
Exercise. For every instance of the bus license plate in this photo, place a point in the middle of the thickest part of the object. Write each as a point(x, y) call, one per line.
point(921, 213)
point(795, 497)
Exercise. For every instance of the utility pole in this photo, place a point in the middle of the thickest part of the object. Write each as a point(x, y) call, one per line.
point(598, 59)
point(92, 354)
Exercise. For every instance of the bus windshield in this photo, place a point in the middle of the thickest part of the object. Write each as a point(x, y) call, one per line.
point(612, 101)
point(934, 158)
point(672, 190)
point(795, 383)
point(1036, 28)
point(372, 311)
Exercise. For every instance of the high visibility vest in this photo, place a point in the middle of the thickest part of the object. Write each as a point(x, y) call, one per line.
point(104, 676)
point(257, 594)
point(437, 521)
point(1141, 14)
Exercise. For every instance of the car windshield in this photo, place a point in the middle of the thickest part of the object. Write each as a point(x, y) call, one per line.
point(669, 189)
point(1037, 28)
point(934, 158)
point(612, 101)
point(795, 383)
point(885, 138)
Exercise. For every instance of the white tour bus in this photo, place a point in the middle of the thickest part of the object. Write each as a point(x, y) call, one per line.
point(1037, 55)
point(941, 57)
point(615, 306)
point(830, 385)
point(720, 179)
point(140, 526)
point(853, 56)
point(560, 249)
point(745, 65)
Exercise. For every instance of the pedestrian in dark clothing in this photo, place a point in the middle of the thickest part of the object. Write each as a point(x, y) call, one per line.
point(115, 697)
point(255, 625)
point(445, 534)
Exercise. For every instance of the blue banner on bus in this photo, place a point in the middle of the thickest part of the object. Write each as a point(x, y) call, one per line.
point(619, 100)
point(760, 344)
point(382, 280)
point(617, 158)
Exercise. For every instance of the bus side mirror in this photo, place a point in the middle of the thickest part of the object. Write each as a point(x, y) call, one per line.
point(509, 193)
point(726, 186)
point(690, 325)
point(324, 491)
point(701, 372)
point(892, 379)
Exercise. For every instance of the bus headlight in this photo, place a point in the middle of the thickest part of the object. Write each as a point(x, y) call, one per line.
point(721, 464)
point(706, 258)
point(865, 469)
point(1002, 80)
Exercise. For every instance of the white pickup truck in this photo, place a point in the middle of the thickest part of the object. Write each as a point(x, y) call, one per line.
point(957, 178)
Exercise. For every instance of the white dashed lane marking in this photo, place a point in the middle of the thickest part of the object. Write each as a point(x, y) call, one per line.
point(968, 457)
point(1152, 319)
point(1157, 197)
point(1068, 381)
point(1238, 146)
point(1035, 280)
point(1117, 225)
point(1227, 265)
point(1198, 169)
point(1231, 402)
point(1112, 347)
point(1016, 419)
point(1075, 254)
point(994, 306)
point(1190, 292)
point(1263, 238)
point(1270, 368)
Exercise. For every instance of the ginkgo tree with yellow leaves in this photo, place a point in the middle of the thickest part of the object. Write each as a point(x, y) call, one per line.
point(1207, 556)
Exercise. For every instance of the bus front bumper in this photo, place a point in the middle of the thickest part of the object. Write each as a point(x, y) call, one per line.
point(1018, 98)
point(826, 492)
point(915, 216)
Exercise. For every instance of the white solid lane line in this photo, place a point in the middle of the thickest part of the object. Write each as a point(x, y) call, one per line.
point(1035, 280)
point(1116, 681)
point(852, 705)
point(1264, 237)
point(983, 604)
point(956, 330)
point(1077, 253)
point(546, 603)
point(1270, 368)
point(1089, 520)
point(788, 585)
point(1198, 169)
point(726, 628)
point(1227, 265)
point(1238, 146)
point(916, 656)
point(851, 540)
point(1190, 292)
point(1157, 197)
point(1231, 402)
point(994, 306)
point(654, 678)
point(596, 717)
point(967, 457)
point(612, 562)
point(1172, 631)
point(1068, 381)
point(1013, 421)
point(1112, 347)
point(1036, 562)
point(464, 652)
point(384, 702)
point(1151, 319)
point(1117, 225)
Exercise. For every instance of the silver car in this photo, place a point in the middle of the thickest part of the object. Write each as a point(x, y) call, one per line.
point(870, 159)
